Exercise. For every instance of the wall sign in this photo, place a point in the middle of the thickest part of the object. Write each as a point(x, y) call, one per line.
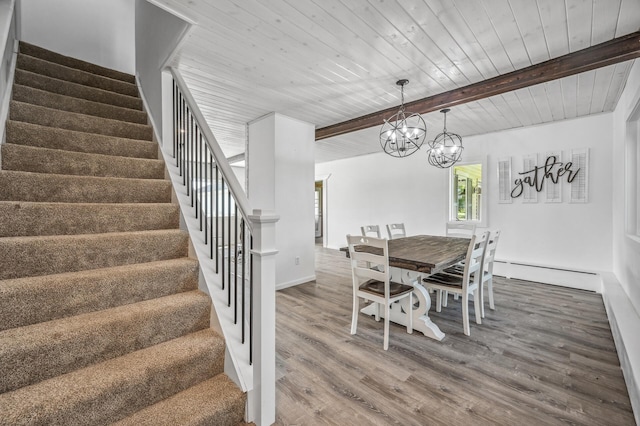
point(548, 177)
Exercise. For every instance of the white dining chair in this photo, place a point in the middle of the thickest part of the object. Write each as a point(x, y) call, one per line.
point(370, 231)
point(487, 274)
point(373, 284)
point(458, 230)
point(396, 230)
point(463, 284)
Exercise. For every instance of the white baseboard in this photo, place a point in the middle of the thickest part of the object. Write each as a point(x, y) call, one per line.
point(582, 280)
point(303, 280)
point(624, 320)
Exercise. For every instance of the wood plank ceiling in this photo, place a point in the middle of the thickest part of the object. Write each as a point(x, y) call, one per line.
point(327, 61)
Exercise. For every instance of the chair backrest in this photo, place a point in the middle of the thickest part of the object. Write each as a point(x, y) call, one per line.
point(491, 252)
point(396, 230)
point(370, 231)
point(473, 263)
point(461, 230)
point(364, 251)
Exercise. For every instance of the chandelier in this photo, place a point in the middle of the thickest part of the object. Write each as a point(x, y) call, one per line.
point(403, 133)
point(446, 149)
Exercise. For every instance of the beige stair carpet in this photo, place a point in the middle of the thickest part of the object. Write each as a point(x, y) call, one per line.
point(101, 319)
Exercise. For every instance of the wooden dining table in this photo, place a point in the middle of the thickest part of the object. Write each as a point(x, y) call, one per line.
point(410, 260)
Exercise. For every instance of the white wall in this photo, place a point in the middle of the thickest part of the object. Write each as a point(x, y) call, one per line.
point(157, 34)
point(97, 31)
point(378, 189)
point(626, 251)
point(280, 165)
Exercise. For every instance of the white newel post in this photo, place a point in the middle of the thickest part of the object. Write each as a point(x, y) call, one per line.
point(262, 398)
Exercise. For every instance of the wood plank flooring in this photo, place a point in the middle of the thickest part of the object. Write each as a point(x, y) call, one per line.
point(544, 356)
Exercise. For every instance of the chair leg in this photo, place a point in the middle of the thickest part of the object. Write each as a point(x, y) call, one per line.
point(481, 298)
point(490, 290)
point(438, 300)
point(477, 307)
point(465, 314)
point(456, 296)
point(445, 298)
point(377, 317)
point(354, 316)
point(386, 326)
point(410, 315)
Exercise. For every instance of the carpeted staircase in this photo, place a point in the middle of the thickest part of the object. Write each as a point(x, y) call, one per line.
point(101, 319)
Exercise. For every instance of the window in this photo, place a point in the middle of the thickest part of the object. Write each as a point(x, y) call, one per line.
point(467, 203)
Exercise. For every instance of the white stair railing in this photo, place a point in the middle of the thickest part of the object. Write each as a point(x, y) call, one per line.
point(235, 246)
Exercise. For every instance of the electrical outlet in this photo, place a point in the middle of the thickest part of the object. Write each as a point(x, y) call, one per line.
point(297, 260)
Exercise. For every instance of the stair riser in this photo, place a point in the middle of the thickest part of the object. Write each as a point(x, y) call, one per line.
point(81, 106)
point(21, 219)
point(21, 133)
point(42, 160)
point(119, 387)
point(49, 117)
point(35, 256)
point(67, 88)
point(38, 187)
point(61, 72)
point(221, 403)
point(47, 55)
point(69, 344)
point(64, 295)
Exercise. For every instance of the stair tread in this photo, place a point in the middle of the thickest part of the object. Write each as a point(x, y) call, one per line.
point(23, 218)
point(29, 134)
point(46, 160)
point(51, 56)
point(114, 235)
point(75, 90)
point(63, 72)
point(52, 187)
point(73, 293)
point(62, 345)
point(118, 387)
point(217, 401)
point(51, 117)
point(43, 255)
point(63, 102)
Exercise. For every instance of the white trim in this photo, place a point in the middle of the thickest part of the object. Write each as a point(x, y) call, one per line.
point(624, 320)
point(299, 281)
point(12, 15)
point(182, 38)
point(549, 274)
point(166, 8)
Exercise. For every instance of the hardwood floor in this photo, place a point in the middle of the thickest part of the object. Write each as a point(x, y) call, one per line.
point(544, 356)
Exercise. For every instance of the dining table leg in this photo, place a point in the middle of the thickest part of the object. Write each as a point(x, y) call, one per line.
point(421, 306)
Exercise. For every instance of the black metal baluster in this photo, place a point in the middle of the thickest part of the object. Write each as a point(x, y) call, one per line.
point(183, 133)
point(196, 169)
point(229, 246)
point(213, 215)
point(175, 119)
point(206, 184)
point(179, 130)
point(202, 181)
point(251, 304)
point(222, 250)
point(243, 288)
point(217, 221)
point(235, 265)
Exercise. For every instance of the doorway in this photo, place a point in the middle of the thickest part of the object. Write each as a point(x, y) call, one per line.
point(318, 211)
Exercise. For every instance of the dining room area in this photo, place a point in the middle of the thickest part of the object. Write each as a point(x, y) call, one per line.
point(549, 339)
point(544, 355)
